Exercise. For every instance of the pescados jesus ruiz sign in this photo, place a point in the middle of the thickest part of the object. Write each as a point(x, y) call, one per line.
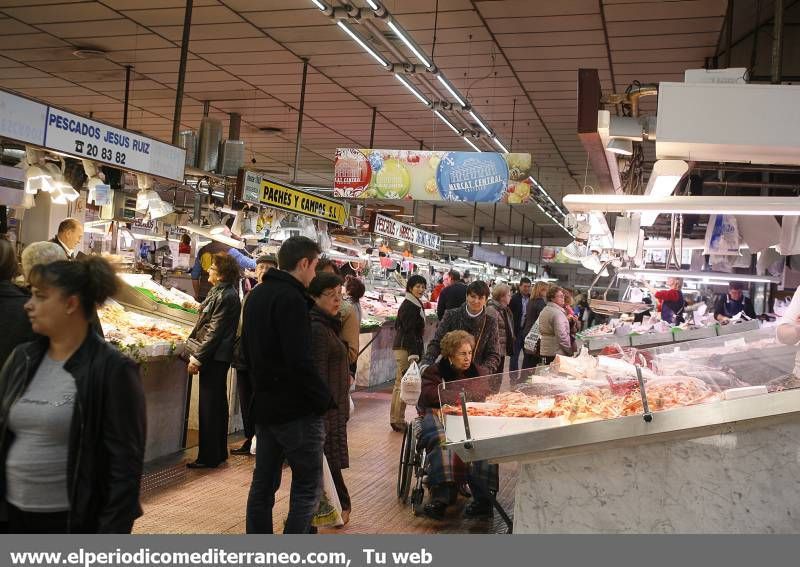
point(475, 177)
point(391, 228)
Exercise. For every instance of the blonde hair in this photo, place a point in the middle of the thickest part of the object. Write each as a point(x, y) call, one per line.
point(540, 290)
point(500, 290)
point(454, 339)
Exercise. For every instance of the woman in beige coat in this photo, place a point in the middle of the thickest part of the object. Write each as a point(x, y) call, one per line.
point(554, 327)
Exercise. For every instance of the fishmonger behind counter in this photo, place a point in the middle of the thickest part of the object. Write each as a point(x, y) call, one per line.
point(733, 303)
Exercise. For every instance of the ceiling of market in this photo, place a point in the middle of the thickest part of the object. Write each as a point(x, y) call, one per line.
point(515, 60)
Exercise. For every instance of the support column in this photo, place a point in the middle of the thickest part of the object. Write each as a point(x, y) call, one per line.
point(176, 118)
point(372, 128)
point(127, 95)
point(777, 42)
point(300, 121)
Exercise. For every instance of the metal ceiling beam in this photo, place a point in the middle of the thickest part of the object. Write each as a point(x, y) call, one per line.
point(187, 29)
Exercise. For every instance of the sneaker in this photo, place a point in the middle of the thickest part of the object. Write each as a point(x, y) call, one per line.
point(479, 510)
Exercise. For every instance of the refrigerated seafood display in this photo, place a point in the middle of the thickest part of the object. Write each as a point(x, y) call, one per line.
point(710, 424)
point(141, 292)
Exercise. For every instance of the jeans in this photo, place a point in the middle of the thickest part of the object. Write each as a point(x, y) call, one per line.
point(300, 443)
point(518, 342)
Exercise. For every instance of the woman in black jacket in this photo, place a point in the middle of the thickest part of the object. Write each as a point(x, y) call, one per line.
point(72, 413)
point(329, 354)
point(211, 344)
point(409, 329)
point(13, 298)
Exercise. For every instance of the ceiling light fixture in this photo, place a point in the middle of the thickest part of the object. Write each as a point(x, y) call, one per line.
point(698, 204)
point(362, 43)
point(320, 5)
point(500, 145)
point(720, 277)
point(663, 179)
point(446, 121)
point(410, 44)
point(620, 146)
point(372, 4)
point(413, 89)
point(483, 126)
point(476, 148)
point(451, 90)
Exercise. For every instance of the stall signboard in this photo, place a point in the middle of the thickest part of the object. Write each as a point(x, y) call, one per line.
point(391, 228)
point(517, 264)
point(475, 177)
point(480, 254)
point(287, 198)
point(52, 128)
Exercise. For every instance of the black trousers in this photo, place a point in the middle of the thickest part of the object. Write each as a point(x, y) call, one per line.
point(21, 522)
point(245, 390)
point(341, 488)
point(213, 413)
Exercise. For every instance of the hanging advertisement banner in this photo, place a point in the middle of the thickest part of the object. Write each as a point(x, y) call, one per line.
point(480, 254)
point(32, 122)
point(475, 177)
point(255, 188)
point(391, 228)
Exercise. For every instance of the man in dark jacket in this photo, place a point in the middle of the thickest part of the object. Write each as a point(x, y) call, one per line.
point(453, 295)
point(70, 232)
point(290, 398)
point(519, 308)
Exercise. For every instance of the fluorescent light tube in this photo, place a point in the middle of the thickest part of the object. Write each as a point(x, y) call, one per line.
point(446, 121)
point(699, 205)
point(413, 90)
point(373, 4)
point(500, 145)
point(362, 43)
point(320, 5)
point(480, 123)
point(451, 90)
point(694, 275)
point(664, 178)
point(410, 44)
point(476, 148)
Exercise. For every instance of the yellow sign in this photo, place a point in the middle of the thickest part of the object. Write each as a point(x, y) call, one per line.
point(274, 194)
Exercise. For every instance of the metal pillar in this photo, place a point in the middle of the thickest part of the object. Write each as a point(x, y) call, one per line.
point(234, 126)
point(176, 118)
point(372, 128)
point(777, 42)
point(300, 120)
point(206, 107)
point(127, 95)
point(729, 33)
point(421, 144)
point(474, 216)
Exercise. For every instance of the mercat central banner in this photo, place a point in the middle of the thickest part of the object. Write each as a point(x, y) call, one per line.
point(474, 177)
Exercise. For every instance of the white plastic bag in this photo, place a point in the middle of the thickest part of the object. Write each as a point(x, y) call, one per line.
point(411, 385)
point(532, 339)
point(253, 445)
point(329, 511)
point(722, 236)
point(790, 236)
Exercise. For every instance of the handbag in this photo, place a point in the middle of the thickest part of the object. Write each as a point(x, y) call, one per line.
point(531, 345)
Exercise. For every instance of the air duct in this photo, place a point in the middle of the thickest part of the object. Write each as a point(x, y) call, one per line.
point(208, 144)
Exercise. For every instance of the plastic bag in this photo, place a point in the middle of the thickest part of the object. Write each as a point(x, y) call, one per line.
point(329, 512)
point(722, 236)
point(532, 339)
point(411, 384)
point(790, 236)
point(253, 445)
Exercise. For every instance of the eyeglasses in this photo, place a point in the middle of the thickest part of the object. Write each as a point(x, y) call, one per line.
point(464, 354)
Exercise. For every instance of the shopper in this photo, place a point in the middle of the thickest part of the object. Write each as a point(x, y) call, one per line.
point(519, 309)
point(355, 290)
point(498, 307)
point(569, 311)
point(554, 327)
point(445, 472)
point(409, 331)
point(330, 360)
point(244, 388)
point(70, 232)
point(437, 290)
point(535, 306)
point(185, 245)
point(732, 303)
point(212, 342)
point(453, 295)
point(471, 317)
point(16, 325)
point(351, 322)
point(672, 302)
point(73, 410)
point(40, 253)
point(290, 397)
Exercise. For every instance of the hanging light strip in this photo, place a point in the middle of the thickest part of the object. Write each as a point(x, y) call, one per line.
point(451, 89)
point(413, 89)
point(483, 126)
point(373, 4)
point(500, 145)
point(362, 43)
point(320, 5)
point(446, 121)
point(720, 277)
point(476, 148)
point(698, 204)
point(410, 44)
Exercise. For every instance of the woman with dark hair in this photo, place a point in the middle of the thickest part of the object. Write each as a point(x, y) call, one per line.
point(445, 469)
point(536, 304)
point(329, 354)
point(498, 307)
point(554, 327)
point(409, 329)
point(74, 412)
point(212, 341)
point(16, 326)
point(473, 318)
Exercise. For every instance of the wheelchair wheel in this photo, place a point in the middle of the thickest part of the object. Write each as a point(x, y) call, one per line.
point(406, 465)
point(418, 494)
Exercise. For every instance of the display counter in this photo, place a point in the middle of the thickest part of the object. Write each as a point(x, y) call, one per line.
point(713, 449)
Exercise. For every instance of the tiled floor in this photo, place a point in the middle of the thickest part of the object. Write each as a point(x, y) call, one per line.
point(177, 500)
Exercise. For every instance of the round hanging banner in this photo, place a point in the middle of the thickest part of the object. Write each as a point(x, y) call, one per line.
point(472, 177)
point(352, 172)
point(393, 180)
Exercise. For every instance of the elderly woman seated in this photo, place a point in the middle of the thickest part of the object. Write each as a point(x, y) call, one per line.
point(446, 472)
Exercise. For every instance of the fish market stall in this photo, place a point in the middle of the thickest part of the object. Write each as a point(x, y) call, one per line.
point(696, 437)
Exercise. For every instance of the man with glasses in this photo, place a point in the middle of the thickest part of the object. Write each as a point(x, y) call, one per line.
point(290, 398)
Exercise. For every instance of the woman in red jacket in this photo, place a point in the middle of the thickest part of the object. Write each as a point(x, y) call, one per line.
point(671, 301)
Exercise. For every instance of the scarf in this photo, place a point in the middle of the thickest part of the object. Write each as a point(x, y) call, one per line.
point(410, 297)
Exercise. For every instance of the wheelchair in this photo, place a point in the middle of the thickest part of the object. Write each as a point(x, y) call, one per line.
point(412, 474)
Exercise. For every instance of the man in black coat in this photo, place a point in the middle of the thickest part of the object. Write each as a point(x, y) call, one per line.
point(453, 295)
point(290, 397)
point(519, 308)
point(70, 232)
